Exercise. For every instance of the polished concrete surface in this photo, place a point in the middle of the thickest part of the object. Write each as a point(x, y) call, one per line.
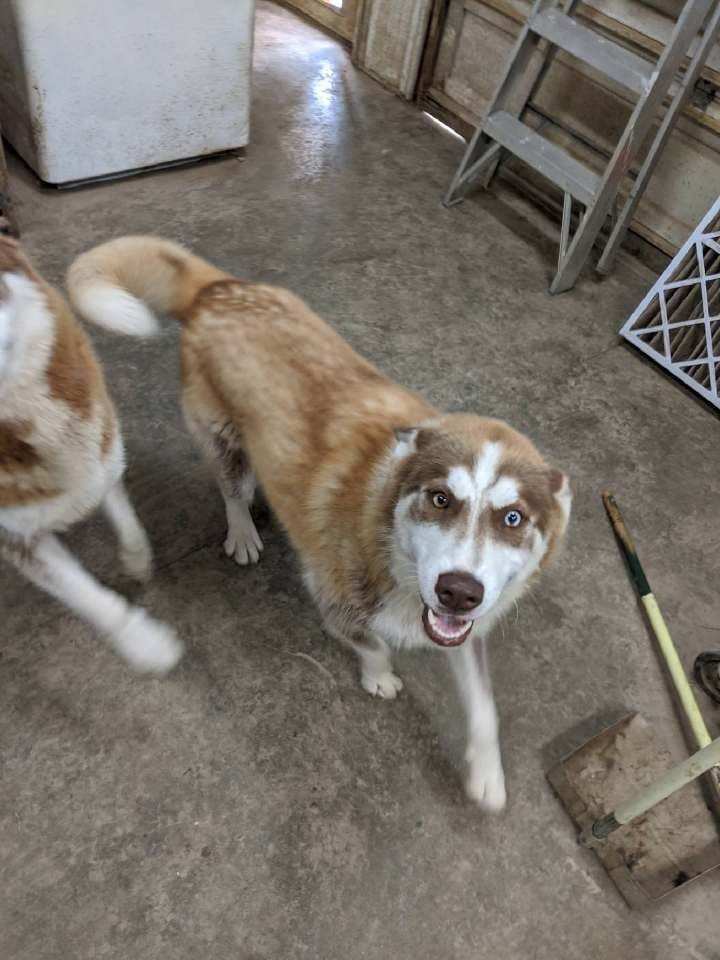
point(257, 803)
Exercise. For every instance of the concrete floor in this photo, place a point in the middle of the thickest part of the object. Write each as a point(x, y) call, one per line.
point(253, 805)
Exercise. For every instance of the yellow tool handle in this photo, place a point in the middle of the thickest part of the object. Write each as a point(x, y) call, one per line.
point(677, 672)
point(657, 622)
point(704, 761)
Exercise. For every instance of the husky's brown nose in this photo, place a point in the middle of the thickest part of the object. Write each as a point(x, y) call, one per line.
point(459, 591)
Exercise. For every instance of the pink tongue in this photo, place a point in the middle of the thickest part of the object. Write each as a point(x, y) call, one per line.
point(451, 624)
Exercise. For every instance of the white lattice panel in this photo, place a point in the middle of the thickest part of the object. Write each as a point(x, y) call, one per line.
point(678, 322)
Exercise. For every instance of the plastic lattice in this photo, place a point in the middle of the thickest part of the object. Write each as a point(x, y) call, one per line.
point(678, 322)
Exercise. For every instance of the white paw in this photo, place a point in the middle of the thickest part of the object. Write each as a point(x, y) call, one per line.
point(148, 645)
point(486, 782)
point(384, 685)
point(243, 542)
point(137, 562)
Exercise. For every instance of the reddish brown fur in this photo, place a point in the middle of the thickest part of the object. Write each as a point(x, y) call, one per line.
point(13, 260)
point(338, 413)
point(315, 418)
point(73, 378)
point(73, 374)
point(18, 457)
point(15, 452)
point(333, 414)
point(109, 430)
point(21, 495)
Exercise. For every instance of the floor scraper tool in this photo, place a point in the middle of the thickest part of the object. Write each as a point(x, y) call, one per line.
point(652, 831)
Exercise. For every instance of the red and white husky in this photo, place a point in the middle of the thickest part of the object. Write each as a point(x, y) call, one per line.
point(61, 456)
point(413, 528)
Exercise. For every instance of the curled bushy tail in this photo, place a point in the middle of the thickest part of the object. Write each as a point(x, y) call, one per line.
point(124, 284)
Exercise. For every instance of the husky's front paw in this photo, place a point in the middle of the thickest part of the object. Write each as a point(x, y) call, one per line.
point(384, 685)
point(148, 645)
point(243, 542)
point(486, 781)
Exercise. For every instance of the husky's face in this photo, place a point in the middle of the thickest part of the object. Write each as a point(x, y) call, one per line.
point(476, 513)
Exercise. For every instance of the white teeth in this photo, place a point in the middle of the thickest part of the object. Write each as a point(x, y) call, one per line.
point(441, 626)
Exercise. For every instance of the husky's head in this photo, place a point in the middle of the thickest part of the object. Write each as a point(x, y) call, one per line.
point(476, 513)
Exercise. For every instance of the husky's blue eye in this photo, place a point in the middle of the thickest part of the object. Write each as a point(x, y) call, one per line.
point(513, 518)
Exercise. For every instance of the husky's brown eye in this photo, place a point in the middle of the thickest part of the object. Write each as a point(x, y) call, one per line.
point(440, 499)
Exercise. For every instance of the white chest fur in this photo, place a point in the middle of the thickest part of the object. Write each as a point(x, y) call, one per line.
point(399, 620)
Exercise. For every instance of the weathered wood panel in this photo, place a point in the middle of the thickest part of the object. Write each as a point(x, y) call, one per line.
point(390, 42)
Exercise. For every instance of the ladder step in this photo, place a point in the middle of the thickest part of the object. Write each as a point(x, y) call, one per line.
point(608, 57)
point(542, 155)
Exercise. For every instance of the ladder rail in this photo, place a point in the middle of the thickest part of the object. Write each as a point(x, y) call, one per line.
point(688, 24)
point(479, 139)
point(567, 6)
point(687, 84)
point(519, 61)
point(548, 28)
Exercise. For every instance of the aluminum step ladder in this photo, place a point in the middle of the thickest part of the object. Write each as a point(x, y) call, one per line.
point(551, 26)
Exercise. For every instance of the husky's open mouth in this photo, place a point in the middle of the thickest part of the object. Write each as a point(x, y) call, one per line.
point(445, 630)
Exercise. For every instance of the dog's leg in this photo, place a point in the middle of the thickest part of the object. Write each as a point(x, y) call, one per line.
point(236, 479)
point(486, 780)
point(146, 644)
point(135, 550)
point(242, 542)
point(376, 672)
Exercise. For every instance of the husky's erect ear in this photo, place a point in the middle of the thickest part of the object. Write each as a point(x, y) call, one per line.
point(405, 438)
point(560, 489)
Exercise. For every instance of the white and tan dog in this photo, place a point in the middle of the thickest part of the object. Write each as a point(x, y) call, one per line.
point(61, 456)
point(413, 528)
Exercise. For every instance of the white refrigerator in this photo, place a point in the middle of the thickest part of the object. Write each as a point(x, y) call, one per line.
point(93, 88)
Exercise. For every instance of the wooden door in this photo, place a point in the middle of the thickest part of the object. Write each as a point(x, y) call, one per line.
point(390, 40)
